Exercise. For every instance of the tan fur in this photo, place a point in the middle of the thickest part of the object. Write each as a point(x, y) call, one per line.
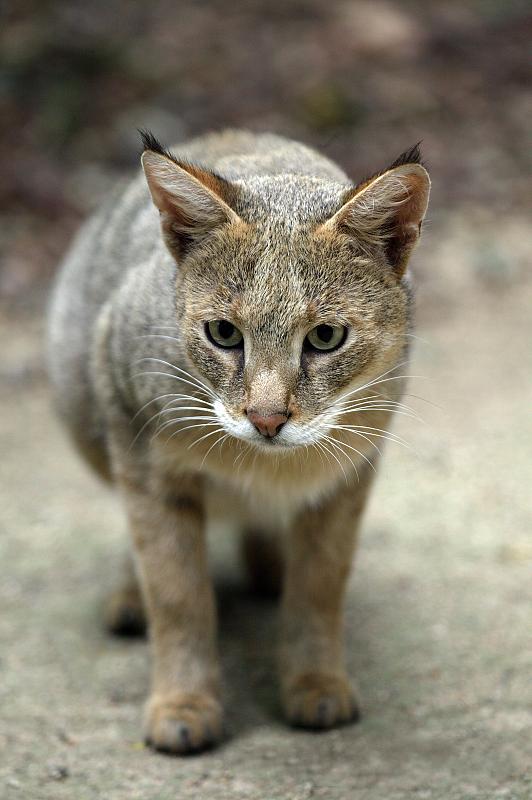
point(315, 686)
point(168, 531)
point(273, 238)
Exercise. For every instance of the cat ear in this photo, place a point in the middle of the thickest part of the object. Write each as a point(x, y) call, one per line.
point(388, 210)
point(192, 201)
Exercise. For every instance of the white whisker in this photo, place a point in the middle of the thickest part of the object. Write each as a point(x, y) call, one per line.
point(187, 428)
point(245, 447)
point(164, 328)
point(169, 408)
point(211, 433)
point(174, 395)
point(336, 444)
point(163, 411)
point(375, 380)
point(362, 436)
point(386, 405)
point(390, 437)
point(379, 431)
point(414, 336)
point(320, 451)
point(344, 444)
point(381, 408)
point(333, 454)
point(376, 400)
point(169, 375)
point(197, 381)
point(158, 336)
point(218, 441)
point(176, 420)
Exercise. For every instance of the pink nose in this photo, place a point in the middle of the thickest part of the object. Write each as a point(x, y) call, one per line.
point(268, 425)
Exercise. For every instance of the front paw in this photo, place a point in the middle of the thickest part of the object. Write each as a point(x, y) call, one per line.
point(319, 700)
point(183, 723)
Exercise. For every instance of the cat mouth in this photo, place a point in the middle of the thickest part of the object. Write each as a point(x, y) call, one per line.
point(267, 444)
point(277, 444)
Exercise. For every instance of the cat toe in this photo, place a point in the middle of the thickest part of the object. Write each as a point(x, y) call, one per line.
point(184, 723)
point(320, 701)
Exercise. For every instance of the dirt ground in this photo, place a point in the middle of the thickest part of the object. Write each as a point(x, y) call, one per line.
point(439, 609)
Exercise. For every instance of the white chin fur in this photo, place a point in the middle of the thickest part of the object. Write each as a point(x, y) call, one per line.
point(292, 435)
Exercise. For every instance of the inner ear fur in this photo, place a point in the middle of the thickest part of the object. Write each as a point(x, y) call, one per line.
point(192, 201)
point(387, 211)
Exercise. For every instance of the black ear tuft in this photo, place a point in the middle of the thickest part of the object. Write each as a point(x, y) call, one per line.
point(411, 156)
point(149, 142)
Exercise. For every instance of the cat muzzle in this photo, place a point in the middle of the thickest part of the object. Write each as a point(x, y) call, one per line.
point(268, 425)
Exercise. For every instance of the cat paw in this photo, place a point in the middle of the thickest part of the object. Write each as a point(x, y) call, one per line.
point(319, 700)
point(124, 613)
point(183, 723)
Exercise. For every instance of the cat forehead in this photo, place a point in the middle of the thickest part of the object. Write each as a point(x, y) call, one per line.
point(265, 263)
point(267, 278)
point(271, 302)
point(266, 289)
point(288, 200)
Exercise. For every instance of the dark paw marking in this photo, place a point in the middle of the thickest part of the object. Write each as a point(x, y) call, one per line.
point(319, 701)
point(183, 724)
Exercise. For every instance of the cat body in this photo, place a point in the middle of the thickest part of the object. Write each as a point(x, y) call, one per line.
point(239, 354)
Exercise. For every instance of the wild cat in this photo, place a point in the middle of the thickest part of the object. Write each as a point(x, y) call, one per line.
point(239, 354)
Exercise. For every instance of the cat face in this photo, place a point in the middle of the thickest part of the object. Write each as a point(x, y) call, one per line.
point(285, 314)
point(284, 324)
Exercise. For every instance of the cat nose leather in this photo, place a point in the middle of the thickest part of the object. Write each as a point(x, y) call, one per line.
point(268, 425)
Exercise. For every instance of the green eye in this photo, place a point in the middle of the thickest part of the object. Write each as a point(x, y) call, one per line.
point(326, 337)
point(223, 333)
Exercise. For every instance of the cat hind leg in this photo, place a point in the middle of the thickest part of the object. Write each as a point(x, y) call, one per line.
point(124, 613)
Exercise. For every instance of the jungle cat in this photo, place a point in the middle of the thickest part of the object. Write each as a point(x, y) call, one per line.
point(239, 354)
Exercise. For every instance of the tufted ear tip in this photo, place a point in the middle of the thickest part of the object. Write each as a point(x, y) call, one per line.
point(387, 211)
point(150, 142)
point(192, 201)
point(410, 156)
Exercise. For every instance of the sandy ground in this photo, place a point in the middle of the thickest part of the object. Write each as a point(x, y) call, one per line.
point(438, 618)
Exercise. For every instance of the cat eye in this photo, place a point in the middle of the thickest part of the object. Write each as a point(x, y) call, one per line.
point(325, 337)
point(223, 333)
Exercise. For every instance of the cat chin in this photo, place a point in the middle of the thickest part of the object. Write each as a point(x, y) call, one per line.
point(288, 442)
point(273, 446)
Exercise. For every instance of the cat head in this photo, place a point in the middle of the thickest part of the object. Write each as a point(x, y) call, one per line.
point(292, 289)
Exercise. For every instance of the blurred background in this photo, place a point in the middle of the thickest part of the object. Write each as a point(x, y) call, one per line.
point(439, 633)
point(362, 80)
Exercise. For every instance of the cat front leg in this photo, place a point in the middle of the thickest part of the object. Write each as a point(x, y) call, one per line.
point(166, 519)
point(316, 691)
